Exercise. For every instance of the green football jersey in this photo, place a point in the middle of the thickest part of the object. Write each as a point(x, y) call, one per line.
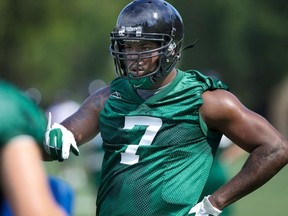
point(158, 152)
point(19, 115)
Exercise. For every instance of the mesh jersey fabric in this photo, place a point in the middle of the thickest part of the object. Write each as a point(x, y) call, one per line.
point(158, 152)
point(19, 115)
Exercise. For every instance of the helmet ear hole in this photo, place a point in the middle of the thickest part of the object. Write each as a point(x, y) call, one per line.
point(172, 47)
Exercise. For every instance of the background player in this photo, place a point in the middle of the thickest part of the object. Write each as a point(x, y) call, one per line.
point(24, 183)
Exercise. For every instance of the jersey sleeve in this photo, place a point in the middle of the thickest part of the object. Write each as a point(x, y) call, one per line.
point(210, 83)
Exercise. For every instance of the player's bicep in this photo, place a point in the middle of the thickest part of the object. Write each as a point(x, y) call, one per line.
point(222, 111)
point(84, 122)
point(249, 130)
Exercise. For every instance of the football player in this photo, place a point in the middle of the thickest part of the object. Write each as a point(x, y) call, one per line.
point(161, 126)
point(24, 183)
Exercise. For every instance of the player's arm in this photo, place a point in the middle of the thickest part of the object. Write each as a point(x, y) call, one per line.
point(25, 182)
point(77, 129)
point(84, 123)
point(268, 149)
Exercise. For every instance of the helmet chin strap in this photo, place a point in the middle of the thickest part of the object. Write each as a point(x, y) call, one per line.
point(141, 83)
point(148, 81)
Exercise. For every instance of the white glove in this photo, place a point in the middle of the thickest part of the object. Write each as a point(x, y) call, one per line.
point(59, 141)
point(205, 208)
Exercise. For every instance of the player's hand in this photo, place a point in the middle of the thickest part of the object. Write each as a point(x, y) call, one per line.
point(59, 141)
point(205, 208)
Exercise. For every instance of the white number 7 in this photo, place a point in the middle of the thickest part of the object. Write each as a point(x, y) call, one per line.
point(153, 124)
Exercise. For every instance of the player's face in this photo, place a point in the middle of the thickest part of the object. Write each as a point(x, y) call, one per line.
point(141, 60)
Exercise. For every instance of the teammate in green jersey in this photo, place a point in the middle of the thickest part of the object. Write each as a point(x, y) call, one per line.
point(24, 182)
point(161, 126)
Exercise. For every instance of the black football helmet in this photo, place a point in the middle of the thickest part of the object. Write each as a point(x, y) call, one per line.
point(152, 20)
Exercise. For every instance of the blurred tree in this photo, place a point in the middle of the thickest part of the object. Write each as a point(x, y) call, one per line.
point(54, 45)
point(246, 41)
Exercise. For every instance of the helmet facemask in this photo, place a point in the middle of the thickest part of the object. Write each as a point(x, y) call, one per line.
point(166, 54)
point(147, 20)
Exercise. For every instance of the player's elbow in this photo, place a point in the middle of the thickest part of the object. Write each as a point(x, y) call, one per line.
point(285, 150)
point(281, 149)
